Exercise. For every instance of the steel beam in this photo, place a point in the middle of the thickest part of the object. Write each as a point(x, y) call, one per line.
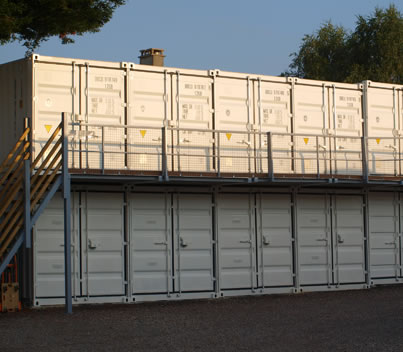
point(67, 220)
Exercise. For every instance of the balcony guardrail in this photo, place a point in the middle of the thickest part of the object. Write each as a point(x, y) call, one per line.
point(218, 153)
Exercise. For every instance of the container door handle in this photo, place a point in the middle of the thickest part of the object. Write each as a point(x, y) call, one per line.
point(322, 239)
point(163, 243)
point(245, 241)
point(266, 242)
point(91, 245)
point(339, 239)
point(182, 242)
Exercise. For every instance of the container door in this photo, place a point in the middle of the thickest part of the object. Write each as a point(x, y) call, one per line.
point(314, 240)
point(151, 243)
point(102, 244)
point(193, 110)
point(273, 106)
point(346, 120)
point(149, 106)
point(49, 250)
point(400, 240)
point(237, 241)
point(55, 91)
point(383, 235)
point(233, 116)
point(275, 240)
point(311, 118)
point(382, 127)
point(193, 243)
point(348, 239)
point(103, 103)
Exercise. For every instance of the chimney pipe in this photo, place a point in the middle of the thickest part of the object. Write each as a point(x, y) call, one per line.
point(152, 56)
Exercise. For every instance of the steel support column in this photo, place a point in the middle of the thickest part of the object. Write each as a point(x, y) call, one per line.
point(67, 220)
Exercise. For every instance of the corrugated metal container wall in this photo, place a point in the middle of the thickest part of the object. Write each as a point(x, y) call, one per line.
point(345, 109)
point(384, 235)
point(272, 105)
point(384, 122)
point(192, 109)
point(15, 102)
point(117, 94)
point(149, 105)
point(326, 109)
point(233, 112)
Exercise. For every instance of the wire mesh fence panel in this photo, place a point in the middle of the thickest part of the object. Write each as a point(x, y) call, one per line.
point(311, 155)
point(383, 156)
point(98, 147)
point(144, 149)
point(192, 150)
point(236, 152)
point(280, 153)
point(347, 156)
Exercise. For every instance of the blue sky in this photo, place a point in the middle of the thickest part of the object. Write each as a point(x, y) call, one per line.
point(253, 36)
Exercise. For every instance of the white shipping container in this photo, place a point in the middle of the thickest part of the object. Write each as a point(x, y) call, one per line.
point(330, 232)
point(327, 110)
point(48, 249)
point(384, 235)
point(149, 97)
point(384, 127)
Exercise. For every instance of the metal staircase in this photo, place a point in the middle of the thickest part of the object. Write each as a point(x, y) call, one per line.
point(27, 186)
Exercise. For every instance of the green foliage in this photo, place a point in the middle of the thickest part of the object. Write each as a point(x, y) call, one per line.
point(374, 51)
point(35, 21)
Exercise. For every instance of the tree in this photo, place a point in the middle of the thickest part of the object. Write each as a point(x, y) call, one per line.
point(374, 50)
point(35, 21)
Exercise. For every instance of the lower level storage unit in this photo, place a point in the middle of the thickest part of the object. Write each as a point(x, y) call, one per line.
point(176, 243)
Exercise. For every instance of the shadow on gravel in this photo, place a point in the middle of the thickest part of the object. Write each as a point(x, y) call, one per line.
point(367, 320)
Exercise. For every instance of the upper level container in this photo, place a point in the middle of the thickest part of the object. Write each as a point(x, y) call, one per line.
point(316, 126)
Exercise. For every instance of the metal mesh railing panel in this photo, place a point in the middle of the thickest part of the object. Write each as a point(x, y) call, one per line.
point(383, 156)
point(192, 151)
point(230, 152)
point(144, 149)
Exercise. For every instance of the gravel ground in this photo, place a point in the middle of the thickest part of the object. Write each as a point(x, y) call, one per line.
point(367, 320)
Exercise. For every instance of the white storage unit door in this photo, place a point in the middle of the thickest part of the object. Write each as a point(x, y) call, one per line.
point(383, 233)
point(382, 126)
point(400, 240)
point(314, 240)
point(193, 110)
point(273, 107)
point(151, 243)
point(311, 117)
point(193, 242)
point(103, 101)
point(275, 240)
point(102, 244)
point(149, 105)
point(330, 236)
point(237, 241)
point(55, 89)
point(166, 259)
point(346, 120)
point(49, 250)
point(348, 239)
point(233, 112)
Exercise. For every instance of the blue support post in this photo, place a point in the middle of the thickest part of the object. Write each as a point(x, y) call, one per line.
point(27, 203)
point(67, 219)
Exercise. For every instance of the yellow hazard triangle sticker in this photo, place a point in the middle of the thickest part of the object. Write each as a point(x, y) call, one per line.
point(306, 140)
point(48, 128)
point(143, 133)
point(229, 135)
point(378, 140)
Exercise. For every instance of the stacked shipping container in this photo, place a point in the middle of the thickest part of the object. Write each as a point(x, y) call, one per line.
point(167, 243)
